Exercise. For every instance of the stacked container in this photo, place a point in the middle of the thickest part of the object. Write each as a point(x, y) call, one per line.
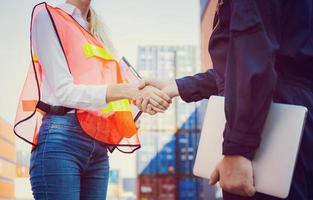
point(7, 161)
point(187, 147)
point(146, 162)
point(147, 187)
point(169, 141)
point(166, 156)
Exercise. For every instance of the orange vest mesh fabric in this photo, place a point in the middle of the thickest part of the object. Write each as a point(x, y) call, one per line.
point(116, 129)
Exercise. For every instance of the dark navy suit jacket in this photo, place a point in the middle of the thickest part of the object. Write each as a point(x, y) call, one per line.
point(252, 41)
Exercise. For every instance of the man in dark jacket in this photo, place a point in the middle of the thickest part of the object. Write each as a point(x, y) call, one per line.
point(261, 51)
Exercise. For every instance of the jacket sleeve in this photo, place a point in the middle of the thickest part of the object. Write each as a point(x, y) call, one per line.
point(197, 87)
point(250, 77)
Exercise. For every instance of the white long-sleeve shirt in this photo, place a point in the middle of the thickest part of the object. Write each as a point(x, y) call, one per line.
point(58, 88)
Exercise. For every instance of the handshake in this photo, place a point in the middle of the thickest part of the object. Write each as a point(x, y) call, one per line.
point(155, 96)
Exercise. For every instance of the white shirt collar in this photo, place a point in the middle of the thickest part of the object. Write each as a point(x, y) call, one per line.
point(68, 8)
point(74, 12)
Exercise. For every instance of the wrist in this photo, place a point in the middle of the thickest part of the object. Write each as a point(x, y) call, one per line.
point(160, 84)
point(130, 91)
point(235, 158)
point(121, 91)
point(171, 89)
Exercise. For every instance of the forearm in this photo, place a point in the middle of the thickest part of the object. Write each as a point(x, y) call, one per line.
point(88, 97)
point(121, 91)
point(197, 87)
point(171, 89)
point(250, 82)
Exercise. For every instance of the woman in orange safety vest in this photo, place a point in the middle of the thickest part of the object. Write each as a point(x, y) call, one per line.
point(75, 103)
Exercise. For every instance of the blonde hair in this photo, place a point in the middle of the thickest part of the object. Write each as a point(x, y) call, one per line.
point(100, 31)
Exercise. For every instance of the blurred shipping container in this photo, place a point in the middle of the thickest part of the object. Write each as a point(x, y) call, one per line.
point(200, 112)
point(148, 123)
point(186, 61)
point(129, 185)
point(147, 187)
point(167, 121)
point(194, 188)
point(22, 171)
point(23, 158)
point(169, 141)
point(186, 153)
point(184, 111)
point(189, 189)
point(114, 176)
point(162, 187)
point(166, 157)
point(146, 164)
point(167, 187)
point(7, 161)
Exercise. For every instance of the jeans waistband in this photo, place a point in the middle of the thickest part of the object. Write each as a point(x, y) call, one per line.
point(69, 118)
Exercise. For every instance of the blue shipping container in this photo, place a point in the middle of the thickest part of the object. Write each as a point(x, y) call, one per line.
point(188, 189)
point(194, 188)
point(187, 147)
point(200, 110)
point(147, 154)
point(166, 156)
point(191, 122)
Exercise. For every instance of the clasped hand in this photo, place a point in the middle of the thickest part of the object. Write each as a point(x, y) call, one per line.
point(154, 96)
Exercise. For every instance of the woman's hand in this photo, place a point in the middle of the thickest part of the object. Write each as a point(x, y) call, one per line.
point(156, 98)
point(147, 98)
point(152, 100)
point(167, 87)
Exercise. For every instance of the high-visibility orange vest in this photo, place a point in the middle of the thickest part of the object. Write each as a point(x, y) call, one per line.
point(89, 63)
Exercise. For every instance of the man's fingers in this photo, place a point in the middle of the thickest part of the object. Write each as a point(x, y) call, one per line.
point(156, 108)
point(158, 98)
point(141, 84)
point(144, 104)
point(243, 190)
point(215, 176)
point(156, 103)
point(164, 96)
point(250, 190)
point(138, 103)
point(162, 104)
point(150, 111)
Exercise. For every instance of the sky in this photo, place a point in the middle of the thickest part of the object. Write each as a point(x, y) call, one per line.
point(131, 23)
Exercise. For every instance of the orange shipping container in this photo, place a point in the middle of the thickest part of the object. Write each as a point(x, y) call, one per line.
point(7, 189)
point(6, 131)
point(22, 171)
point(7, 151)
point(7, 170)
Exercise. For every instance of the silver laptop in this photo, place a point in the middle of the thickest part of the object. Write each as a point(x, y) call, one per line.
point(274, 160)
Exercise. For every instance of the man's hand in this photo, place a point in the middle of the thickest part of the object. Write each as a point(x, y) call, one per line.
point(235, 174)
point(169, 87)
point(152, 100)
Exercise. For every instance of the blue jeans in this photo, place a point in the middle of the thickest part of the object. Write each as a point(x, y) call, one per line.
point(67, 164)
